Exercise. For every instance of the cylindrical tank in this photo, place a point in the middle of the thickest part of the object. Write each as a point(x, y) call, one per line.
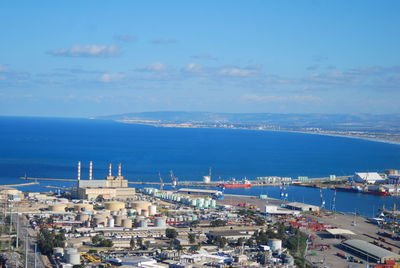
point(72, 256)
point(152, 210)
point(160, 222)
point(127, 223)
point(111, 222)
point(83, 207)
point(139, 205)
point(274, 244)
point(143, 223)
point(118, 220)
point(145, 213)
point(99, 220)
point(114, 205)
point(206, 179)
point(58, 207)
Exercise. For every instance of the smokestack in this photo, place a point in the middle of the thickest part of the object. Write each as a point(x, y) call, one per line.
point(119, 170)
point(109, 169)
point(79, 170)
point(90, 170)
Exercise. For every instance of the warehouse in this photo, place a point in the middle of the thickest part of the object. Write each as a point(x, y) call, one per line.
point(369, 251)
point(301, 206)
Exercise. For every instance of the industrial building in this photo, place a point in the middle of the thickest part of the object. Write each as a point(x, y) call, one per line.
point(113, 187)
point(369, 251)
point(301, 206)
point(367, 177)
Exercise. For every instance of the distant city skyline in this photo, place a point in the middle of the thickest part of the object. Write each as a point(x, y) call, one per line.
point(92, 58)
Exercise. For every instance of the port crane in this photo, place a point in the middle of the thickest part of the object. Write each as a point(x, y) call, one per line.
point(161, 181)
point(174, 179)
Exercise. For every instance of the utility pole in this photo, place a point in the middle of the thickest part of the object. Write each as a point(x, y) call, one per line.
point(17, 238)
point(35, 254)
point(26, 250)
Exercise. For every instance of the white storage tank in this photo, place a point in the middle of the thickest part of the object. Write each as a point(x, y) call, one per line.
point(111, 222)
point(274, 244)
point(72, 256)
point(152, 210)
point(145, 213)
point(143, 223)
point(160, 222)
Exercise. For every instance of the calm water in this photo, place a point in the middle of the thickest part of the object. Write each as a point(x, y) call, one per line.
point(48, 147)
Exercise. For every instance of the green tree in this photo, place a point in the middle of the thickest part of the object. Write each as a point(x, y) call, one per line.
point(132, 243)
point(217, 223)
point(139, 242)
point(192, 238)
point(259, 221)
point(171, 233)
point(220, 241)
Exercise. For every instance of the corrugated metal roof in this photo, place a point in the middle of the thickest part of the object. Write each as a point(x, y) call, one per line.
point(369, 248)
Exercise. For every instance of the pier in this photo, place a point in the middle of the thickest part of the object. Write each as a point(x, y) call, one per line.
point(19, 184)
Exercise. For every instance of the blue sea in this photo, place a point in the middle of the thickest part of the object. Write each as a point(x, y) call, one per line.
point(51, 148)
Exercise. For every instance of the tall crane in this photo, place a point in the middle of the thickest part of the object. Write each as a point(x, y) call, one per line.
point(161, 181)
point(174, 179)
point(322, 199)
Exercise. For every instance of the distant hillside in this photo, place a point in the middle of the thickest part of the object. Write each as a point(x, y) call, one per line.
point(388, 122)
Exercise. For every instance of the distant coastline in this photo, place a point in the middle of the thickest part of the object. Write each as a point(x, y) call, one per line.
point(394, 141)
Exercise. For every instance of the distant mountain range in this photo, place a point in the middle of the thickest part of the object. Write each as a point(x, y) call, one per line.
point(347, 122)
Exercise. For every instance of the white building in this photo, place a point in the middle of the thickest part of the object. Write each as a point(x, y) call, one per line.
point(367, 177)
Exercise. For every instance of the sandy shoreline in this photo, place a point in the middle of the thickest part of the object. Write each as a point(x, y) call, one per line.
point(289, 131)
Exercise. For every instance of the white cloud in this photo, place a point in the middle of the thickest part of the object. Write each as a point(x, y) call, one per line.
point(193, 68)
point(87, 51)
point(236, 72)
point(154, 67)
point(108, 78)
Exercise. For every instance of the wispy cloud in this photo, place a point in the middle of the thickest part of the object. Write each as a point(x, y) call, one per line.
point(125, 37)
point(162, 41)
point(204, 57)
point(274, 98)
point(94, 51)
point(238, 72)
point(193, 68)
point(108, 78)
point(154, 67)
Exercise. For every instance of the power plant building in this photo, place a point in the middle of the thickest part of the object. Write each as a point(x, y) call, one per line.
point(113, 187)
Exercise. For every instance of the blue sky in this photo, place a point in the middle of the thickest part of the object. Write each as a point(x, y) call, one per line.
point(84, 58)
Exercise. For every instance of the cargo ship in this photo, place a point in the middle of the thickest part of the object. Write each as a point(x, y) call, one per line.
point(235, 184)
point(353, 189)
point(377, 191)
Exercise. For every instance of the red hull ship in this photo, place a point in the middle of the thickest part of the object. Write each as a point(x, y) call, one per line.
point(236, 184)
point(377, 193)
